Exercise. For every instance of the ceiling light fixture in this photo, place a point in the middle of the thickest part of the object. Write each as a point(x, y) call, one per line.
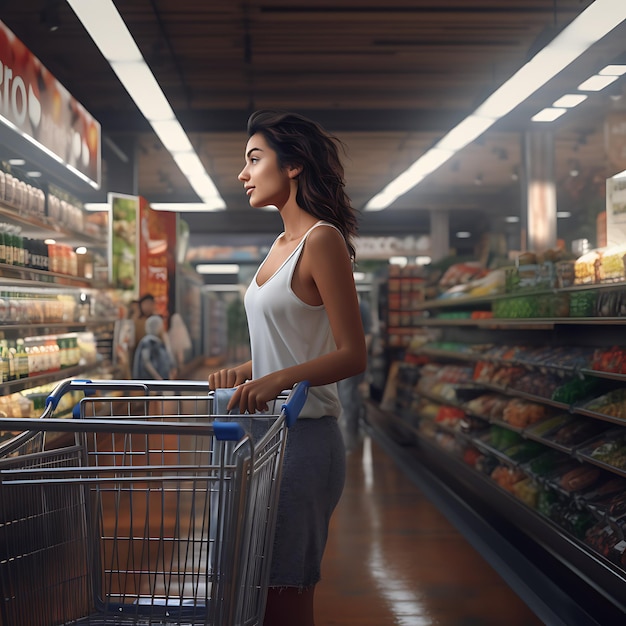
point(597, 83)
point(570, 100)
point(549, 114)
point(613, 70)
point(217, 268)
point(598, 19)
point(111, 35)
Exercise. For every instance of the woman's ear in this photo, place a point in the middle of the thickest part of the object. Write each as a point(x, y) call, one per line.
point(293, 171)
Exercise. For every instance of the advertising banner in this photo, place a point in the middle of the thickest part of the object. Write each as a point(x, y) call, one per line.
point(34, 104)
point(615, 140)
point(616, 210)
point(157, 256)
point(124, 243)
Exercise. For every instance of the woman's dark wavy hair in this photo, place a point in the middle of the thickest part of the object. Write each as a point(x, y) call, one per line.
point(301, 142)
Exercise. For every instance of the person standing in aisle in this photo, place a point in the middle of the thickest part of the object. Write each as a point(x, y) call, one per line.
point(153, 360)
point(304, 323)
point(350, 394)
point(147, 307)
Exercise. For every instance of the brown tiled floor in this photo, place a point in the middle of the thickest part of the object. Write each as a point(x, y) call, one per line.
point(394, 560)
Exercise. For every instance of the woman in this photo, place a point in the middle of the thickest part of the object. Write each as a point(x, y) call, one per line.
point(304, 322)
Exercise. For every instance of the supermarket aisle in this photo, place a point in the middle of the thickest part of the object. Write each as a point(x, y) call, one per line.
point(394, 560)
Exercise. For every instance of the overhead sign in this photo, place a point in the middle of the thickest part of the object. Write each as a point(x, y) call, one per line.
point(616, 210)
point(36, 105)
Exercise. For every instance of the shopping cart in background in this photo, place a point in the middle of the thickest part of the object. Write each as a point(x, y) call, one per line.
point(116, 518)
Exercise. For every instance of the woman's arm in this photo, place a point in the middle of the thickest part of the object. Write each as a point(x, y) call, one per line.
point(323, 276)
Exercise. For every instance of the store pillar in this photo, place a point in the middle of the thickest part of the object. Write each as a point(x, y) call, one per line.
point(439, 235)
point(538, 192)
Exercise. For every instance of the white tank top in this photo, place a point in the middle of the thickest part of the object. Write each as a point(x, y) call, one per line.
point(285, 331)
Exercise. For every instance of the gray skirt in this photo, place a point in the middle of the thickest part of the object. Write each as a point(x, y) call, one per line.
point(314, 470)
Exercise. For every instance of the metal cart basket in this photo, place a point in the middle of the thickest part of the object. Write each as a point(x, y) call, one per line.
point(145, 509)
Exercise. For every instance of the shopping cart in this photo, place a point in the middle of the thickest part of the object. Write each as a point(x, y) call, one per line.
point(164, 518)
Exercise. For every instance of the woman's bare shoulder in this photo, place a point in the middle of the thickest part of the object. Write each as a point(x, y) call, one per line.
point(325, 234)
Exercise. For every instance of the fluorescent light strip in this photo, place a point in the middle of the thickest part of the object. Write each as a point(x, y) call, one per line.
point(217, 268)
point(597, 83)
point(613, 70)
point(569, 101)
point(592, 24)
point(549, 114)
point(106, 27)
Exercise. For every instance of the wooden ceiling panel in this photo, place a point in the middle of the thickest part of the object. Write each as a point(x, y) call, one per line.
point(388, 78)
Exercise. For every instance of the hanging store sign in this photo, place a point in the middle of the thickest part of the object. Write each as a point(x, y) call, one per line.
point(157, 256)
point(124, 243)
point(35, 105)
point(616, 210)
point(615, 139)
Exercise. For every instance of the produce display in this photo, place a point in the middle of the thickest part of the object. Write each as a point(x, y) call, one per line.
point(538, 417)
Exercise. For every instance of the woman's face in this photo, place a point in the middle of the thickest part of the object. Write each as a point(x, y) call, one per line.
point(263, 181)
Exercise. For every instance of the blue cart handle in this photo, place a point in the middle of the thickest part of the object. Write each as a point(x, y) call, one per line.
point(295, 402)
point(89, 388)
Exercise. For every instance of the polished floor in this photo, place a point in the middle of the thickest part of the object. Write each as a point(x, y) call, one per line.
point(394, 560)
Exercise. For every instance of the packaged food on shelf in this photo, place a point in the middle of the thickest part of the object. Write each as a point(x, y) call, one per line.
point(587, 269)
point(537, 383)
point(521, 413)
point(527, 490)
point(609, 448)
point(577, 431)
point(545, 427)
point(612, 263)
point(609, 360)
point(603, 538)
point(580, 478)
point(502, 438)
point(507, 477)
point(612, 404)
point(487, 405)
point(582, 303)
point(462, 273)
point(611, 303)
point(576, 389)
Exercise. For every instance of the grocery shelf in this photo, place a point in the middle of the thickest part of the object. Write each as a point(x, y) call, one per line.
point(13, 386)
point(55, 327)
point(520, 323)
point(15, 274)
point(585, 371)
point(475, 302)
point(33, 226)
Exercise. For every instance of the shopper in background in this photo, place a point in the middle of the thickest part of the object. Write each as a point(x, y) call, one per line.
point(304, 323)
point(147, 307)
point(179, 341)
point(350, 393)
point(153, 360)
